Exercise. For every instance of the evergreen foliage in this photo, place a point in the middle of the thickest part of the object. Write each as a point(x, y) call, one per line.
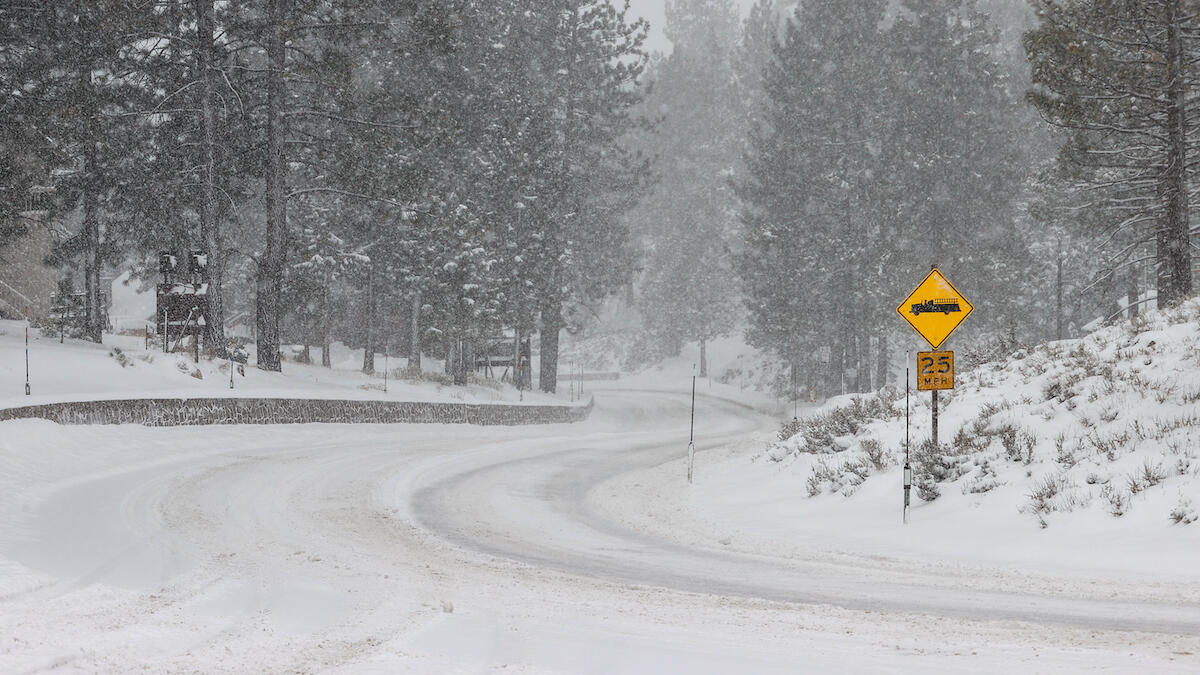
point(1120, 78)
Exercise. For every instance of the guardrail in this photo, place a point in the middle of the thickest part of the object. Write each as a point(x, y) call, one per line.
point(203, 411)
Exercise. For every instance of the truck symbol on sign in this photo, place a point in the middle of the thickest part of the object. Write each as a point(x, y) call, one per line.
point(943, 305)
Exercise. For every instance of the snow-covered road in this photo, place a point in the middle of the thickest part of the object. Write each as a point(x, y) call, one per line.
point(428, 548)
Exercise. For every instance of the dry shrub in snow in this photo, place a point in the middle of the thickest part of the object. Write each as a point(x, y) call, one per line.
point(875, 453)
point(1184, 513)
point(842, 476)
point(120, 357)
point(1055, 492)
point(820, 430)
point(1119, 500)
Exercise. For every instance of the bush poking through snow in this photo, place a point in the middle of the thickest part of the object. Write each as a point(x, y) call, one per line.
point(844, 476)
point(1119, 501)
point(875, 454)
point(1184, 513)
point(933, 464)
point(820, 432)
point(121, 357)
point(1055, 493)
point(1152, 474)
point(185, 367)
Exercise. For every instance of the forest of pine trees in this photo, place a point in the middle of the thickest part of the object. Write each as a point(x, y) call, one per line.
point(419, 175)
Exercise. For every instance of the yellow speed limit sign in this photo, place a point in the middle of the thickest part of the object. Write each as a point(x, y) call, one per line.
point(935, 371)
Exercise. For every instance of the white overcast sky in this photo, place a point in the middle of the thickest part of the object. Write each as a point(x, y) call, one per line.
point(653, 11)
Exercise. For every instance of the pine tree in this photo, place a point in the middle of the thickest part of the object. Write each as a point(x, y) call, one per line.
point(87, 96)
point(955, 155)
point(1117, 75)
point(809, 197)
point(690, 290)
point(27, 153)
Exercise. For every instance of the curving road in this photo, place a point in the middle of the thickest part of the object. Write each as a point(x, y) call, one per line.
point(429, 548)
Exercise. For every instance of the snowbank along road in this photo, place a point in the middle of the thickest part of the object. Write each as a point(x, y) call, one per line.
point(435, 548)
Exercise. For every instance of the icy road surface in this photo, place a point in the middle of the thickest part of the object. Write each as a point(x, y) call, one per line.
point(434, 549)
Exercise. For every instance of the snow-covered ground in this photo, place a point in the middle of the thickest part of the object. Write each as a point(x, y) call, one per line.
point(558, 549)
point(582, 548)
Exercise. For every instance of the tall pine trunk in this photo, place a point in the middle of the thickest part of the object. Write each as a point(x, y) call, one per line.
point(551, 302)
point(368, 323)
point(1058, 294)
point(93, 310)
point(210, 229)
point(548, 351)
point(270, 265)
point(881, 363)
point(414, 345)
point(1173, 241)
point(326, 323)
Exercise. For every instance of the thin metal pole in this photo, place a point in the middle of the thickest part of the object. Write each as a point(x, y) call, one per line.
point(907, 466)
point(935, 418)
point(27, 390)
point(386, 363)
point(692, 433)
point(232, 345)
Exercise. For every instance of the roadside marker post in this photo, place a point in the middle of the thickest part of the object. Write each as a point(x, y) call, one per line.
point(907, 466)
point(692, 434)
point(27, 390)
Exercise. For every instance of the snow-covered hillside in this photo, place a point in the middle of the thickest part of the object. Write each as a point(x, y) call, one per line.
point(1088, 445)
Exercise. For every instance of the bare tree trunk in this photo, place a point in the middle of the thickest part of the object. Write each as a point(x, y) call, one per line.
point(1131, 292)
point(210, 228)
point(1058, 288)
point(93, 311)
point(516, 357)
point(548, 352)
point(551, 301)
point(270, 266)
point(1173, 242)
point(414, 345)
point(326, 322)
point(881, 362)
point(368, 322)
point(468, 359)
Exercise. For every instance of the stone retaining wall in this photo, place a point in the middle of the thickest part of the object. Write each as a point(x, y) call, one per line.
point(593, 377)
point(196, 411)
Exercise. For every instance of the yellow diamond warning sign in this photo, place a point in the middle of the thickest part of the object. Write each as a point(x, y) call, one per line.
point(935, 308)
